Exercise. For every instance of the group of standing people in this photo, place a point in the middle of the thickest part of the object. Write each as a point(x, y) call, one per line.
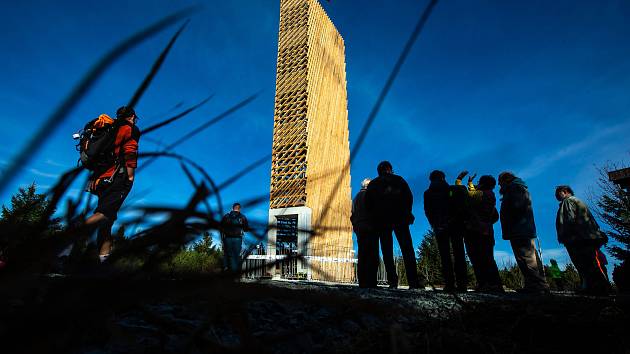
point(462, 218)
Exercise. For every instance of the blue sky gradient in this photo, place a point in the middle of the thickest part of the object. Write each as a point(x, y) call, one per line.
point(536, 87)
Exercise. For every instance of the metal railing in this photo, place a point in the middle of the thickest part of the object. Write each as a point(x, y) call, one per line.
point(324, 268)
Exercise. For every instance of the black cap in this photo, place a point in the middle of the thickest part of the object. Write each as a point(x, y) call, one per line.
point(125, 112)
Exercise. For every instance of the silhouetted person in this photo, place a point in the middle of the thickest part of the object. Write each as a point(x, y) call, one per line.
point(114, 184)
point(518, 226)
point(448, 232)
point(479, 237)
point(233, 227)
point(555, 273)
point(389, 202)
point(580, 234)
point(367, 239)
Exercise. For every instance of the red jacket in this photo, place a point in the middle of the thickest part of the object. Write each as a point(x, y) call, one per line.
point(125, 146)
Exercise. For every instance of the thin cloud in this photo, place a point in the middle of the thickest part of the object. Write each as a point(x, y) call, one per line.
point(542, 162)
point(43, 174)
point(55, 163)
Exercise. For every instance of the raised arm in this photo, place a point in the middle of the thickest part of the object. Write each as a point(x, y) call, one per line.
point(472, 191)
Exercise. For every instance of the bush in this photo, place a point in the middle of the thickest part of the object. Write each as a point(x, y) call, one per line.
point(566, 280)
point(191, 262)
point(129, 264)
point(201, 258)
point(26, 219)
point(511, 276)
point(571, 278)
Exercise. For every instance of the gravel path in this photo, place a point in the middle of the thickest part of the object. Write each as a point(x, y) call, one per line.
point(214, 315)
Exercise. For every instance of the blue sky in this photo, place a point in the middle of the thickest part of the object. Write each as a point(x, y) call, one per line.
point(536, 87)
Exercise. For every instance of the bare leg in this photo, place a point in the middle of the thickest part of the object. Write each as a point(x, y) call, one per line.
point(104, 225)
point(95, 219)
point(105, 238)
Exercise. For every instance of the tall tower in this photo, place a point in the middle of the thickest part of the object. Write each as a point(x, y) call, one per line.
point(310, 147)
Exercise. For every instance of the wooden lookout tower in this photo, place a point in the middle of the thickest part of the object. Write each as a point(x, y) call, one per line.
point(310, 148)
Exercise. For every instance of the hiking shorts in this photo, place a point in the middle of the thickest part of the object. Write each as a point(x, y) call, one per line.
point(111, 198)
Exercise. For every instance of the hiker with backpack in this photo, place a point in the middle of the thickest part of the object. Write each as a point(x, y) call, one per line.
point(441, 206)
point(389, 203)
point(518, 227)
point(482, 215)
point(109, 149)
point(233, 226)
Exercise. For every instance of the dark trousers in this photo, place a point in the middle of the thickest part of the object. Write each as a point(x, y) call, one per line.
point(529, 263)
point(447, 239)
point(403, 235)
point(367, 258)
point(481, 253)
point(592, 272)
point(232, 253)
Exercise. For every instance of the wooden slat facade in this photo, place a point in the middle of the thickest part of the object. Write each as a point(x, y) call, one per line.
point(311, 139)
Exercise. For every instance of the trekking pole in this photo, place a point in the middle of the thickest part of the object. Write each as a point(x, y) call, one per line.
point(540, 255)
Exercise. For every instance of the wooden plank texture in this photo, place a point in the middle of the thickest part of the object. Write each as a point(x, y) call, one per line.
point(311, 139)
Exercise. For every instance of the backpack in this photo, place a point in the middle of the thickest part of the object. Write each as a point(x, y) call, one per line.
point(96, 144)
point(232, 224)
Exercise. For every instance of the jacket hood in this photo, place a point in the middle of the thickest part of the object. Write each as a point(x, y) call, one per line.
point(517, 181)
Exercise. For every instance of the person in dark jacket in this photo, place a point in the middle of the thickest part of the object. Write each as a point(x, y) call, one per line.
point(233, 226)
point(437, 199)
point(580, 234)
point(367, 240)
point(518, 226)
point(389, 203)
point(479, 237)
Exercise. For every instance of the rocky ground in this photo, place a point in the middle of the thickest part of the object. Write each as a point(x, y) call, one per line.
point(74, 315)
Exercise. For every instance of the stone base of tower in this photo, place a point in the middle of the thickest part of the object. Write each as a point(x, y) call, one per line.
point(289, 235)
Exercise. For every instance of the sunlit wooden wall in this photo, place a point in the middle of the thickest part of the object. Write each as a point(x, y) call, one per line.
point(311, 143)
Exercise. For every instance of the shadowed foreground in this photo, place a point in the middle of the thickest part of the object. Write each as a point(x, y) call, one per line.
point(195, 316)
